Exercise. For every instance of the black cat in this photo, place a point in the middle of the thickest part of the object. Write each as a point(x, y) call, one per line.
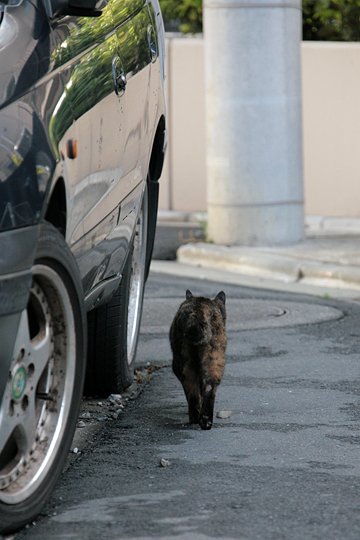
point(198, 343)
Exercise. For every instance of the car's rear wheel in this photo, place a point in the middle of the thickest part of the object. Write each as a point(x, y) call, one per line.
point(42, 397)
point(114, 327)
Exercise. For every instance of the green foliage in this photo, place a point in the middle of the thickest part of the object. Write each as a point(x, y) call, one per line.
point(331, 20)
point(328, 20)
point(183, 15)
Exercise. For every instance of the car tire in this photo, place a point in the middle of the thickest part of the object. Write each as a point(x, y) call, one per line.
point(114, 327)
point(42, 398)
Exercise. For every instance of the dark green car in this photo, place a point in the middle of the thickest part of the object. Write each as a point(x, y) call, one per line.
point(82, 139)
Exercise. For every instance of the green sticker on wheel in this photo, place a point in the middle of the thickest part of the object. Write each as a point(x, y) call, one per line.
point(19, 383)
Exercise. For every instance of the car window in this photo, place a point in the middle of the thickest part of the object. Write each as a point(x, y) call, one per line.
point(85, 32)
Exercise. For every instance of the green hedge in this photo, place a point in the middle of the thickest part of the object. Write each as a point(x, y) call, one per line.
point(328, 20)
point(331, 20)
point(183, 15)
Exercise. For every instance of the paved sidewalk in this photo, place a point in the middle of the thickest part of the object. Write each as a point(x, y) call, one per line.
point(328, 258)
point(330, 261)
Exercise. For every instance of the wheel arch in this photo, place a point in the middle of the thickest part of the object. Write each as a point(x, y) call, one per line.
point(158, 151)
point(56, 210)
point(155, 168)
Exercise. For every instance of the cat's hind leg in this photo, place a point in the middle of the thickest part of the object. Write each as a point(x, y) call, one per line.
point(207, 409)
point(192, 392)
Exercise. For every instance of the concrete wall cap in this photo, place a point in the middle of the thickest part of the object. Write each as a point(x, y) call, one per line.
point(236, 4)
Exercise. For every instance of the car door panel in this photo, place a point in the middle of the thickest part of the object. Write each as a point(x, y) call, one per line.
point(94, 168)
point(134, 50)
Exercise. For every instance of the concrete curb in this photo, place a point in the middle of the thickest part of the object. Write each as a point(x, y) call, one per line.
point(260, 263)
point(318, 225)
point(243, 260)
point(170, 235)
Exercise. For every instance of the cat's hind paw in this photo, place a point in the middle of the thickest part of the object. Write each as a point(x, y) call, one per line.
point(205, 422)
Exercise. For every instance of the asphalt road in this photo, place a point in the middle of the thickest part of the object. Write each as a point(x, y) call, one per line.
point(284, 465)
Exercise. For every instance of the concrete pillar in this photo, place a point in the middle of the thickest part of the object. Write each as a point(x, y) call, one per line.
point(254, 140)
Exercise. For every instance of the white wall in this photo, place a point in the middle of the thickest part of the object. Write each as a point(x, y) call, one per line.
point(331, 122)
point(331, 127)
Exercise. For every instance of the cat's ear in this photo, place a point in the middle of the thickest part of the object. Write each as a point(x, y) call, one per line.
point(221, 297)
point(189, 294)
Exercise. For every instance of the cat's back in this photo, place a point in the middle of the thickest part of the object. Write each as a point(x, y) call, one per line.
point(198, 321)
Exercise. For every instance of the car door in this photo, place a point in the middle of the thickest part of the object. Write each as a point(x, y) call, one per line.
point(93, 150)
point(137, 45)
